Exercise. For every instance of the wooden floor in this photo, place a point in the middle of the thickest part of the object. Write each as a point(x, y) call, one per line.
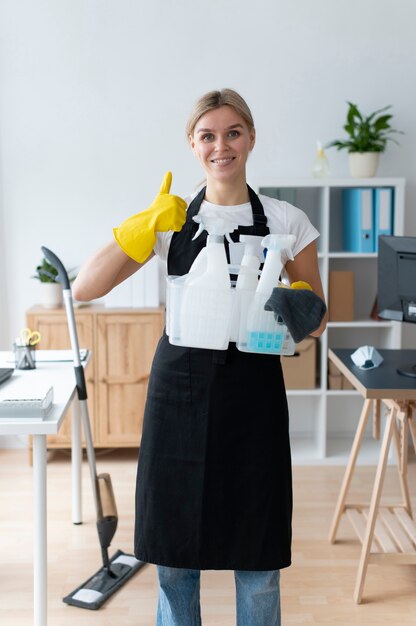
point(317, 589)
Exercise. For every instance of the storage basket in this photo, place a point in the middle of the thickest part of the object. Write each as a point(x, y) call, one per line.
point(211, 318)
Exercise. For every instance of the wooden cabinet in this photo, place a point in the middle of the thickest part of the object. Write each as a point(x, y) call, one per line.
point(125, 348)
point(123, 342)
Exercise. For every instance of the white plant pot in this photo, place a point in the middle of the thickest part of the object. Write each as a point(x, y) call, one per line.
point(51, 295)
point(363, 164)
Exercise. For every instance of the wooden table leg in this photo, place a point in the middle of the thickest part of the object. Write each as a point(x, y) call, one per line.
point(340, 507)
point(375, 501)
point(412, 426)
point(376, 419)
point(400, 444)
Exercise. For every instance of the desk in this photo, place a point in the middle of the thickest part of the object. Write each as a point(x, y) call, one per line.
point(387, 533)
point(61, 377)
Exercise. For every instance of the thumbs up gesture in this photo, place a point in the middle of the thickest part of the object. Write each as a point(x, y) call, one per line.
point(137, 235)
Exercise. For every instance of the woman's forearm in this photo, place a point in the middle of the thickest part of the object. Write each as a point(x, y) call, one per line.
point(305, 267)
point(107, 268)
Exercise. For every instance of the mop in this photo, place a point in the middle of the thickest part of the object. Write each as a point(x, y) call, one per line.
point(121, 567)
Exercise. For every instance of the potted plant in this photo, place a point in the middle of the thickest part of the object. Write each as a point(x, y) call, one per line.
point(367, 138)
point(51, 289)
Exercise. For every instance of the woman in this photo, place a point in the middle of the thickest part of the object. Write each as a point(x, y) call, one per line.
point(214, 484)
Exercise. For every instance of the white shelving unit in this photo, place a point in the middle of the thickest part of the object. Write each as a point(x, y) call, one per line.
point(323, 420)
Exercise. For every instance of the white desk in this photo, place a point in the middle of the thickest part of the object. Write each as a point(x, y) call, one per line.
point(61, 377)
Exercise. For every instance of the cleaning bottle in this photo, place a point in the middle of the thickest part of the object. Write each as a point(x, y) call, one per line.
point(277, 246)
point(262, 333)
point(247, 281)
point(253, 256)
point(206, 295)
point(320, 167)
point(210, 268)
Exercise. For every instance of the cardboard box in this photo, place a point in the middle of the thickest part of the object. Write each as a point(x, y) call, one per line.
point(341, 296)
point(337, 380)
point(299, 370)
point(332, 368)
point(346, 383)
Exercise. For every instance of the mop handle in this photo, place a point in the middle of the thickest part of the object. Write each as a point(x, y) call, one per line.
point(81, 386)
point(78, 369)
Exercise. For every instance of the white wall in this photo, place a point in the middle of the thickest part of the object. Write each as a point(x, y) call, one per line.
point(94, 96)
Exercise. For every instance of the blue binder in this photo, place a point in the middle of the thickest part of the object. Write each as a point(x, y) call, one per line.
point(357, 220)
point(383, 213)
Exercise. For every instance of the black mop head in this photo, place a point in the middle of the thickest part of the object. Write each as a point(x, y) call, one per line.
point(97, 589)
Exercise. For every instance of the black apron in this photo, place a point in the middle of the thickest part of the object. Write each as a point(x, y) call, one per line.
point(214, 483)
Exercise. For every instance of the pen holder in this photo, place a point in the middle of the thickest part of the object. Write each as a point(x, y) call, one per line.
point(24, 357)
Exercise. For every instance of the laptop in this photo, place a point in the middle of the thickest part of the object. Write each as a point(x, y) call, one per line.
point(5, 373)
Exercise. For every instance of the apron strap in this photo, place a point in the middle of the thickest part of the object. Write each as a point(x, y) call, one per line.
point(258, 228)
point(195, 205)
point(259, 219)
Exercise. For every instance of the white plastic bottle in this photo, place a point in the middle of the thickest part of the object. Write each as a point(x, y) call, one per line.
point(262, 333)
point(247, 281)
point(276, 246)
point(248, 274)
point(212, 269)
point(320, 167)
point(206, 305)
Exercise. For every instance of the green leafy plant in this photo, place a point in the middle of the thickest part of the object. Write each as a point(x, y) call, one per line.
point(47, 273)
point(366, 134)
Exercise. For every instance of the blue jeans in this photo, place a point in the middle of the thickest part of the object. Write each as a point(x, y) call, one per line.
point(257, 593)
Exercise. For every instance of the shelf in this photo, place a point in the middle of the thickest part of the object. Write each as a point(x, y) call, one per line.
point(323, 420)
point(304, 392)
point(294, 183)
point(352, 255)
point(339, 448)
point(361, 324)
point(342, 392)
point(304, 451)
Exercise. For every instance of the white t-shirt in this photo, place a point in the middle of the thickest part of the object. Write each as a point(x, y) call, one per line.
point(282, 219)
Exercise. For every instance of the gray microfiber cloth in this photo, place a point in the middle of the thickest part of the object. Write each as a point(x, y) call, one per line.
point(300, 309)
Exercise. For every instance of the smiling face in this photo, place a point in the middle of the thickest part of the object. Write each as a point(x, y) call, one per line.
point(222, 141)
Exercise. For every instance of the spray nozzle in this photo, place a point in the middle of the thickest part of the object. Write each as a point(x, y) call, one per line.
point(217, 226)
point(253, 246)
point(281, 243)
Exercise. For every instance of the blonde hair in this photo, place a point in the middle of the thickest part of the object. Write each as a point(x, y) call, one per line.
point(214, 100)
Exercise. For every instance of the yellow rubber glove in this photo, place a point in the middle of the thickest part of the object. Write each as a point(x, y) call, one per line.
point(137, 235)
point(301, 284)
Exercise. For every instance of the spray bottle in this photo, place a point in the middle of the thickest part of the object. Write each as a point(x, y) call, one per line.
point(320, 167)
point(249, 269)
point(262, 333)
point(206, 302)
point(210, 268)
point(277, 246)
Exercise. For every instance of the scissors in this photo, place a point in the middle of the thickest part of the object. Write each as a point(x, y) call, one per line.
point(29, 337)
